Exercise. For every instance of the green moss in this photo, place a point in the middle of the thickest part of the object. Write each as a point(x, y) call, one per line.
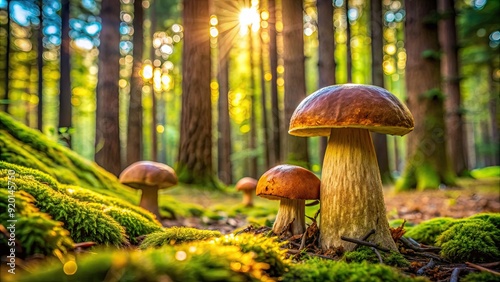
point(84, 223)
point(427, 231)
point(187, 262)
point(332, 271)
point(364, 253)
point(485, 172)
point(265, 249)
point(177, 235)
point(89, 196)
point(36, 232)
point(28, 147)
point(493, 218)
point(471, 240)
point(135, 225)
point(480, 276)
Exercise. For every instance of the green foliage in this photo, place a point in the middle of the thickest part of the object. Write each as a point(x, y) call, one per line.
point(364, 253)
point(433, 94)
point(36, 232)
point(472, 240)
point(480, 276)
point(176, 235)
point(27, 147)
point(431, 54)
point(331, 271)
point(426, 232)
point(84, 223)
point(135, 225)
point(187, 262)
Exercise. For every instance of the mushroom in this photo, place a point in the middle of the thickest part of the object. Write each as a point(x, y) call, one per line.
point(149, 177)
point(292, 185)
point(352, 200)
point(247, 185)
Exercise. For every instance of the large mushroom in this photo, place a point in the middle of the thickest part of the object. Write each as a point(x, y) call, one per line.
point(149, 177)
point(247, 185)
point(292, 185)
point(352, 200)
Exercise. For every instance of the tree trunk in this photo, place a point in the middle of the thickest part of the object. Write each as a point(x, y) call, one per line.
point(295, 86)
point(326, 50)
point(252, 145)
point(195, 151)
point(40, 70)
point(379, 140)
point(225, 170)
point(264, 102)
point(427, 164)
point(154, 102)
point(348, 43)
point(134, 126)
point(7, 61)
point(107, 129)
point(493, 115)
point(65, 107)
point(451, 87)
point(273, 59)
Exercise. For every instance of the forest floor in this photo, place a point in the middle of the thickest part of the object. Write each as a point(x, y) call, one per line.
point(471, 197)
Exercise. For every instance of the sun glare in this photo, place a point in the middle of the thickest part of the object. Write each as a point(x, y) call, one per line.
point(249, 17)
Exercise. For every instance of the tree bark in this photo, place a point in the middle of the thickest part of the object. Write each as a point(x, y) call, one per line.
point(107, 130)
point(379, 140)
point(225, 170)
point(39, 62)
point(348, 43)
point(252, 144)
point(65, 106)
point(295, 87)
point(134, 128)
point(273, 59)
point(427, 165)
point(326, 52)
point(264, 101)
point(456, 137)
point(195, 151)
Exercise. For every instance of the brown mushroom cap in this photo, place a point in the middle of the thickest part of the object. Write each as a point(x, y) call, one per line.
point(351, 105)
point(246, 183)
point(147, 173)
point(288, 181)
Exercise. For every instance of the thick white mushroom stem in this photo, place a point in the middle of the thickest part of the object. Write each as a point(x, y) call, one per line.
point(149, 200)
point(290, 217)
point(248, 198)
point(351, 196)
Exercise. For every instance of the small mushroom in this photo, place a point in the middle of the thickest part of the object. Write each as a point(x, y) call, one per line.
point(292, 185)
point(352, 200)
point(149, 177)
point(247, 186)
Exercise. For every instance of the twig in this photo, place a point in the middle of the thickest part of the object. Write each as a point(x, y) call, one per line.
point(412, 246)
point(481, 268)
point(455, 274)
point(367, 235)
point(313, 203)
point(378, 255)
point(303, 241)
point(295, 252)
point(364, 243)
point(422, 270)
point(428, 255)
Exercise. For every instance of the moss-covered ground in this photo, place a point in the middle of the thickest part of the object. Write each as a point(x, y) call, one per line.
point(76, 222)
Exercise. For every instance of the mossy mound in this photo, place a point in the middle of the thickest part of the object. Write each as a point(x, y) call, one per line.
point(332, 271)
point(426, 232)
point(177, 235)
point(480, 276)
point(87, 216)
point(35, 232)
point(214, 260)
point(28, 147)
point(471, 240)
point(364, 253)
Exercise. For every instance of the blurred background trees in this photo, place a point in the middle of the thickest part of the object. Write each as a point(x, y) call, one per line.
point(91, 78)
